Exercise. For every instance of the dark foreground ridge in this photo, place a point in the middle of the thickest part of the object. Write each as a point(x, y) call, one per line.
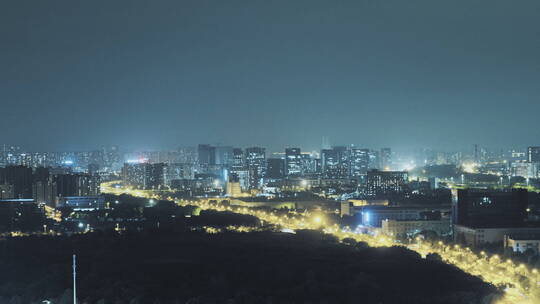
point(196, 267)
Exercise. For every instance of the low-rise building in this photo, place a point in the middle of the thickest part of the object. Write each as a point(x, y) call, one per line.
point(351, 207)
point(474, 236)
point(373, 216)
point(408, 228)
point(521, 243)
point(83, 203)
point(346, 209)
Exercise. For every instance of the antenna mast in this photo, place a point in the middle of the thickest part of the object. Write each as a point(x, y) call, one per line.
point(74, 279)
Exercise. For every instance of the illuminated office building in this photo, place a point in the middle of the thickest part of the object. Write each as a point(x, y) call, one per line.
point(380, 183)
point(293, 161)
point(255, 166)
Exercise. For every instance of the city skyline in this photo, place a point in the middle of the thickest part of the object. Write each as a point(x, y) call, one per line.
point(382, 74)
point(243, 152)
point(279, 150)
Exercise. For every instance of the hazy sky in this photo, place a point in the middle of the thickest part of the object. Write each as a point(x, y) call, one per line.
point(276, 73)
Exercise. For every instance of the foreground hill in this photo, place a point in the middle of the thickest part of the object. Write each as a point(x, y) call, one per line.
point(257, 267)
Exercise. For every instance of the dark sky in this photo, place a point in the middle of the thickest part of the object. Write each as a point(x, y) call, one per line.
point(167, 73)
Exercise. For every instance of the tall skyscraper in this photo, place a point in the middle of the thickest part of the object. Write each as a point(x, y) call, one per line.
point(256, 166)
point(309, 164)
point(155, 175)
point(344, 157)
point(133, 174)
point(238, 168)
point(330, 163)
point(238, 160)
point(206, 155)
point(275, 168)
point(533, 154)
point(359, 162)
point(293, 161)
point(336, 162)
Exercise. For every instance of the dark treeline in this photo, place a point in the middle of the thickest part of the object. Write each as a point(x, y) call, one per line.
point(133, 213)
point(162, 266)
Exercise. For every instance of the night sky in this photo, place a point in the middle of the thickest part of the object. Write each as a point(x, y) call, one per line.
point(153, 74)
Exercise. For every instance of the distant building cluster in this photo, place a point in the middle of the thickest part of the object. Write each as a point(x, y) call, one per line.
point(46, 185)
point(476, 197)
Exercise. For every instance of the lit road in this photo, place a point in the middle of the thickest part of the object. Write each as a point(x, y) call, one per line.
point(521, 282)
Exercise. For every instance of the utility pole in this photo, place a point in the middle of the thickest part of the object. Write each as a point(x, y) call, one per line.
point(74, 279)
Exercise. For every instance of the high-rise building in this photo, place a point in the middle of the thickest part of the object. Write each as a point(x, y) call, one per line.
point(155, 175)
point(490, 208)
point(176, 171)
point(45, 192)
point(293, 161)
point(111, 157)
point(133, 174)
point(336, 162)
point(238, 160)
point(275, 168)
point(385, 182)
point(76, 185)
point(374, 160)
point(330, 163)
point(359, 162)
point(525, 169)
point(533, 154)
point(41, 174)
point(256, 166)
point(238, 167)
point(309, 164)
point(145, 175)
point(344, 158)
point(20, 177)
point(206, 155)
point(386, 159)
point(224, 155)
point(10, 155)
point(186, 155)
